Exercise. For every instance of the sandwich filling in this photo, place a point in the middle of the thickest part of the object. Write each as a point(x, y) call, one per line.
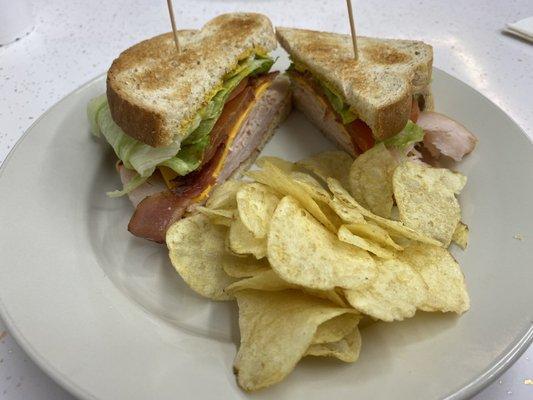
point(202, 139)
point(351, 132)
point(245, 126)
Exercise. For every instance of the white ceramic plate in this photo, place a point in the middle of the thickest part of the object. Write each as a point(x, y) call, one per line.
point(105, 314)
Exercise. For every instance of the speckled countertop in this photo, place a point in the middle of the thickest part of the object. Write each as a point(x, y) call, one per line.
point(75, 40)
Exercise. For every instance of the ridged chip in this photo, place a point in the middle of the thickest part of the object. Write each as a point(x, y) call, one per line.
point(223, 196)
point(268, 280)
point(396, 227)
point(197, 251)
point(346, 349)
point(426, 199)
point(256, 204)
point(303, 252)
point(460, 235)
point(371, 180)
point(282, 183)
point(334, 163)
point(277, 329)
point(344, 234)
point(396, 292)
point(242, 241)
point(442, 275)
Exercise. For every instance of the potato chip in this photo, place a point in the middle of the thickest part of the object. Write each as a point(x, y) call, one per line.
point(460, 235)
point(269, 321)
point(336, 328)
point(303, 252)
point(268, 280)
point(330, 214)
point(196, 250)
point(346, 349)
point(217, 217)
point(285, 185)
point(223, 196)
point(345, 235)
point(371, 231)
point(284, 165)
point(313, 187)
point(330, 295)
point(395, 293)
point(347, 214)
point(393, 226)
point(426, 199)
point(442, 275)
point(214, 212)
point(244, 267)
point(370, 180)
point(335, 164)
point(242, 241)
point(219, 220)
point(256, 204)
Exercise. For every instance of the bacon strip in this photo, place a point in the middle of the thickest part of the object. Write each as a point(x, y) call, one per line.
point(157, 212)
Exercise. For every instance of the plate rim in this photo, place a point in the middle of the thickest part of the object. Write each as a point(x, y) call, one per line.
point(500, 364)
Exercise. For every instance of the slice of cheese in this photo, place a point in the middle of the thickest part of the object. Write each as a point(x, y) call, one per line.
point(168, 175)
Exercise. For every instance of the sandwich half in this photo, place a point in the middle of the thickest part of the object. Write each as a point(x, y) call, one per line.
point(180, 124)
point(358, 103)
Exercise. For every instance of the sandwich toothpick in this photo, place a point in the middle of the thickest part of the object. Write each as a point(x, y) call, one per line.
point(173, 22)
point(352, 28)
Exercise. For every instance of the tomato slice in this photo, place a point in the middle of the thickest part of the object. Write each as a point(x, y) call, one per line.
point(361, 135)
point(238, 89)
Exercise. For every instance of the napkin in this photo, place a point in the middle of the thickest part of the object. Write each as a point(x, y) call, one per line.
point(522, 28)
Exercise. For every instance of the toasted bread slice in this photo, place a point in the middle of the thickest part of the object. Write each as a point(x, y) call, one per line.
point(378, 86)
point(154, 92)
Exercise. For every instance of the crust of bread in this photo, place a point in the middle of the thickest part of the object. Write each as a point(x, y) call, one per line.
point(378, 86)
point(154, 92)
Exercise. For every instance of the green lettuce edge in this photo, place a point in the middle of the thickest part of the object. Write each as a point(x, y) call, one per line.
point(144, 159)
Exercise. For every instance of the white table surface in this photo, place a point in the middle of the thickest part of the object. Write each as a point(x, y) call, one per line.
point(75, 40)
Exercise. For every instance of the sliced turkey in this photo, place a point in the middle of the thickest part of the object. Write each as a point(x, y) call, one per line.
point(444, 136)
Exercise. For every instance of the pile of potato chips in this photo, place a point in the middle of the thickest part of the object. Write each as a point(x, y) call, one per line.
point(308, 249)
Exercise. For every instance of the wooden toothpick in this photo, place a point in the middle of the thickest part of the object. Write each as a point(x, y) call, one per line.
point(173, 22)
point(352, 28)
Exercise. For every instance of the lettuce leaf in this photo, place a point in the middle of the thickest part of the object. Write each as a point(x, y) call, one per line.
point(210, 112)
point(144, 159)
point(408, 136)
point(334, 98)
point(338, 104)
point(133, 153)
point(93, 108)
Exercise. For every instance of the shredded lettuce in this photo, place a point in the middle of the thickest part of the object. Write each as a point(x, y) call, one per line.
point(93, 108)
point(183, 159)
point(134, 183)
point(408, 136)
point(133, 153)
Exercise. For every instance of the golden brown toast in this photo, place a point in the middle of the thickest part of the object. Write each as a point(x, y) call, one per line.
point(378, 86)
point(154, 92)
